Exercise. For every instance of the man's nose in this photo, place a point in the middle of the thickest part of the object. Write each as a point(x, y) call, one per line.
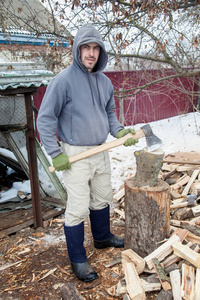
point(91, 51)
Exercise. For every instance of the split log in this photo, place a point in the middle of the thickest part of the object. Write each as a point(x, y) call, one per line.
point(184, 213)
point(69, 291)
point(169, 174)
point(196, 211)
point(193, 238)
point(175, 194)
point(172, 259)
point(186, 253)
point(188, 283)
point(133, 282)
point(151, 283)
point(150, 287)
point(130, 256)
point(195, 221)
point(147, 211)
point(192, 179)
point(161, 252)
point(197, 285)
point(119, 195)
point(120, 212)
point(175, 278)
point(195, 188)
point(164, 279)
point(182, 181)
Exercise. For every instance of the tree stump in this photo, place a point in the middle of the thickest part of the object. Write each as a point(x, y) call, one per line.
point(147, 216)
point(148, 167)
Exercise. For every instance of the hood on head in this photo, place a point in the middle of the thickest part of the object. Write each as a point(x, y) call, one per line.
point(88, 34)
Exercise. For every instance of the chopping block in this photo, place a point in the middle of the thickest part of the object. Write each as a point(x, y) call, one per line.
point(147, 205)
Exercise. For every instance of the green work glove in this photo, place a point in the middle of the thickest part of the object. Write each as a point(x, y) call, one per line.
point(129, 141)
point(61, 162)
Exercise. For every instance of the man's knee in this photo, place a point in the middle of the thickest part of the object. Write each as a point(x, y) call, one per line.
point(75, 218)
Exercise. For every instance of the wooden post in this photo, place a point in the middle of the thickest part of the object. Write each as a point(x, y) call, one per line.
point(147, 216)
point(32, 159)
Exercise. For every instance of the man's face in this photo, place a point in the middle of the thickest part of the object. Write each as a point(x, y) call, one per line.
point(89, 55)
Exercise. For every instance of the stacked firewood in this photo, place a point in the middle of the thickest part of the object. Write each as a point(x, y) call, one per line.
point(173, 268)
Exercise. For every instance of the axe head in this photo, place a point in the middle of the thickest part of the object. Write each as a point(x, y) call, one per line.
point(153, 142)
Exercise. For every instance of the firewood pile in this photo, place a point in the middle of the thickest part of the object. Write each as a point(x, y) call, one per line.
point(173, 268)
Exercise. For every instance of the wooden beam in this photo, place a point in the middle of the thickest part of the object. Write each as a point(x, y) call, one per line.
point(32, 159)
point(186, 253)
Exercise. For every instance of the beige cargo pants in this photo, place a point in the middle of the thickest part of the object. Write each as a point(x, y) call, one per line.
point(88, 184)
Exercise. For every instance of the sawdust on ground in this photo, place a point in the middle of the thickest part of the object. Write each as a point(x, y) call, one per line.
point(39, 264)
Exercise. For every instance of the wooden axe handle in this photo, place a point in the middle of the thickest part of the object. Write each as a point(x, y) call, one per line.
point(112, 144)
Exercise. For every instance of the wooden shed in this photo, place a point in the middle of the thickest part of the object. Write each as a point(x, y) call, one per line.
point(18, 83)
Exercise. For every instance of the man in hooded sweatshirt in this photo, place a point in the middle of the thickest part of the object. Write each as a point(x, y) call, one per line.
point(79, 106)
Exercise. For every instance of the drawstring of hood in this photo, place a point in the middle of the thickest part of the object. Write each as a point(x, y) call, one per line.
point(98, 91)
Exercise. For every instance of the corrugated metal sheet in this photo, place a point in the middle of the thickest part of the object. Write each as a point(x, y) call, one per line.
point(17, 75)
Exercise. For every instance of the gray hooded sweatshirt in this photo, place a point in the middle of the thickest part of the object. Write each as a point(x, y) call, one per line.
point(79, 105)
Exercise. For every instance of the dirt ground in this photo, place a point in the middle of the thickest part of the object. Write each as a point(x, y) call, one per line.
point(34, 263)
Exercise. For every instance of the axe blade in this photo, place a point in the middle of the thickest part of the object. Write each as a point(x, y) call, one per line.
point(153, 142)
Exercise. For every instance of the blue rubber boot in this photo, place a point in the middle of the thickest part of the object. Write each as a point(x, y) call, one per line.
point(100, 226)
point(77, 254)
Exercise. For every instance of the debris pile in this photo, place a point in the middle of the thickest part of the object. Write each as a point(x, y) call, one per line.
point(174, 267)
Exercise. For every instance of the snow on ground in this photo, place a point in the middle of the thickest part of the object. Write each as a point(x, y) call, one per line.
point(179, 134)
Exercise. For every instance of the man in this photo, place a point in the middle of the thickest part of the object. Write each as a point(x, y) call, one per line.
point(79, 106)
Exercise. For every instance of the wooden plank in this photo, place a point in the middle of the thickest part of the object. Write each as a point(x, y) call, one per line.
point(161, 252)
point(181, 162)
point(175, 278)
point(186, 253)
point(192, 179)
point(188, 283)
point(6, 232)
point(52, 213)
point(134, 285)
point(130, 256)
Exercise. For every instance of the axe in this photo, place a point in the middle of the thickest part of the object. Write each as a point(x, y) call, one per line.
point(152, 141)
